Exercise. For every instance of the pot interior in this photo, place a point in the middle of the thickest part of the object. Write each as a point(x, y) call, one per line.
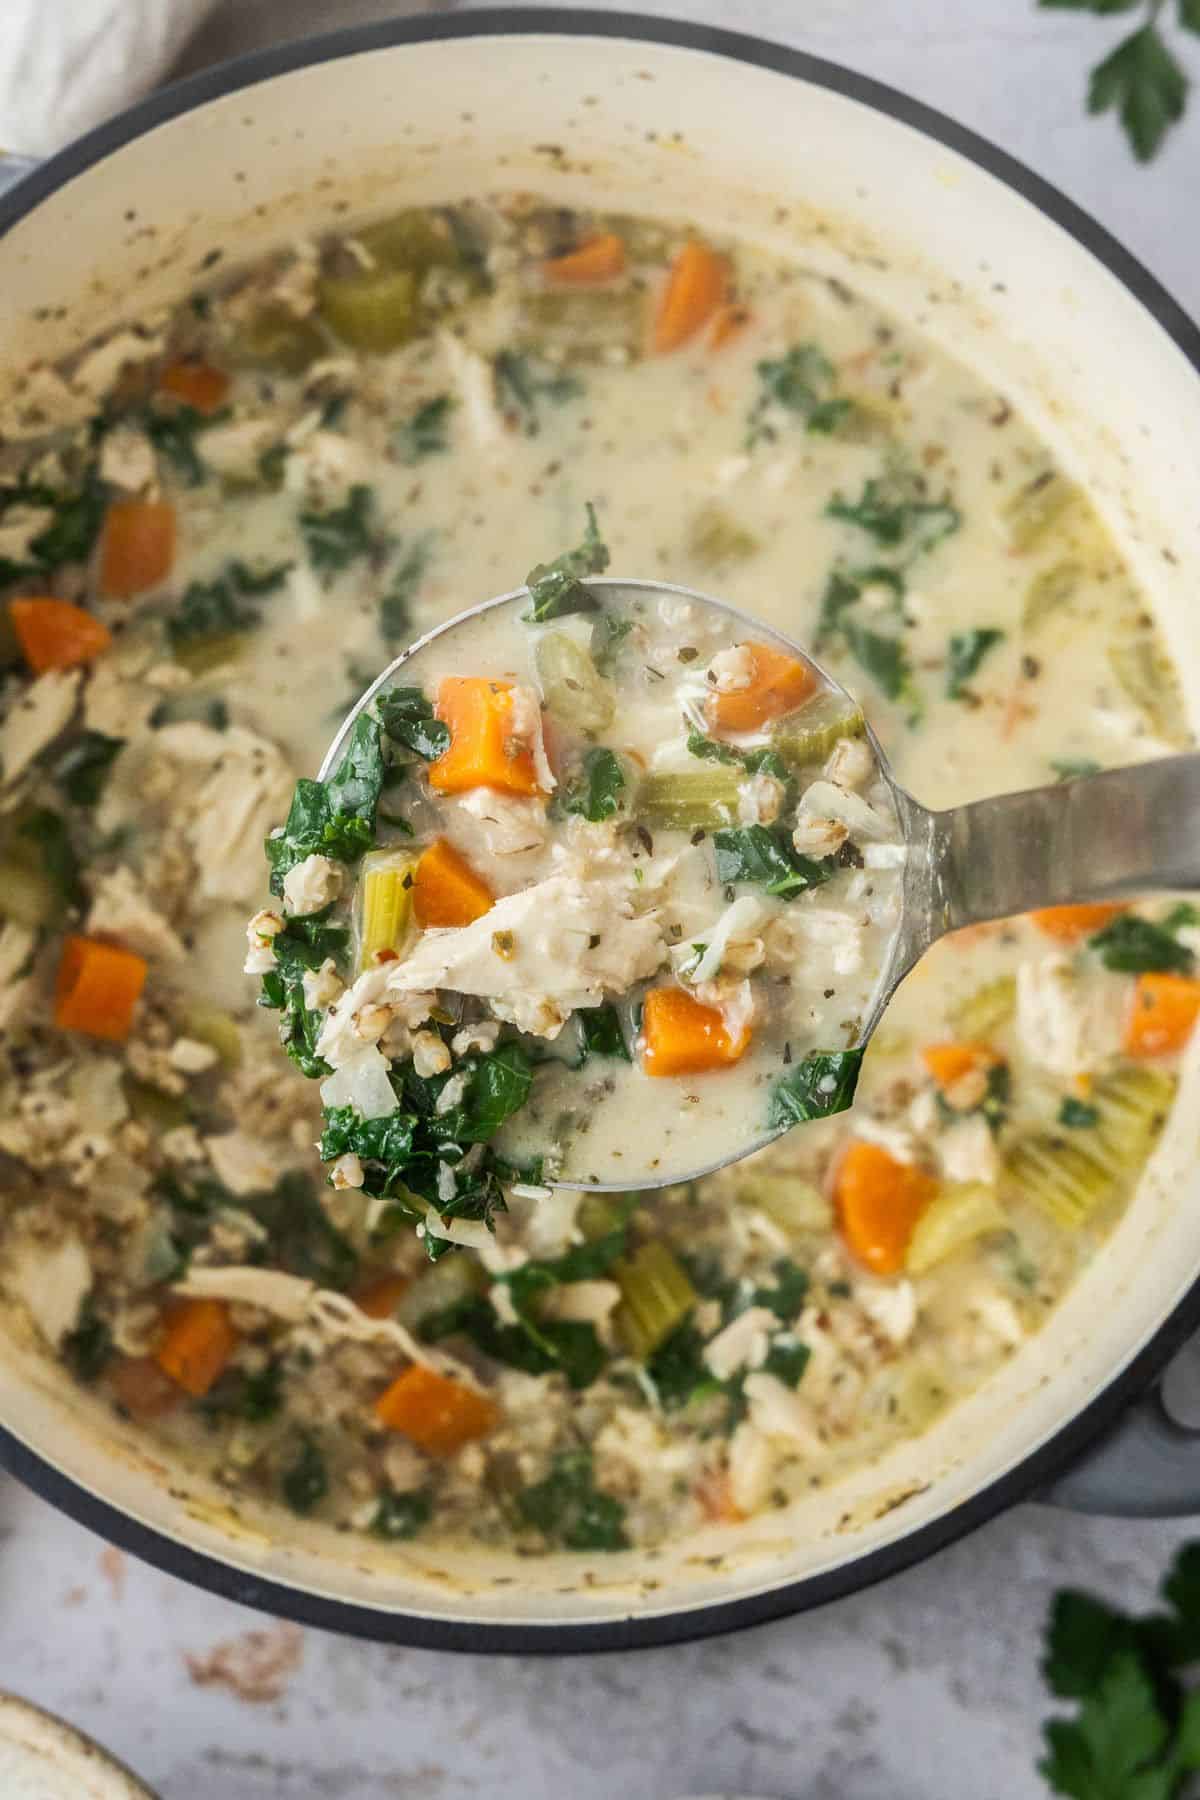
point(652, 127)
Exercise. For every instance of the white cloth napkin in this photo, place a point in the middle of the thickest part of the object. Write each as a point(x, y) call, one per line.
point(65, 65)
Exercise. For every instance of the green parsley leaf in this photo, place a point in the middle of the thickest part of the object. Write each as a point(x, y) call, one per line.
point(1143, 79)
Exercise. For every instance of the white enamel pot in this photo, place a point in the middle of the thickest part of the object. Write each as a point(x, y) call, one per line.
point(747, 137)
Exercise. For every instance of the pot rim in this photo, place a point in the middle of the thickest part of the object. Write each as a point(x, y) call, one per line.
point(1023, 1482)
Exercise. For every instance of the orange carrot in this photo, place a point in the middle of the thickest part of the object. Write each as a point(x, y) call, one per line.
point(695, 289)
point(446, 889)
point(948, 1063)
point(1069, 923)
point(1164, 1012)
point(195, 384)
point(601, 258)
point(380, 1298)
point(482, 751)
point(197, 1344)
point(879, 1201)
point(714, 1494)
point(729, 324)
point(778, 685)
point(137, 546)
point(682, 1037)
point(438, 1414)
point(97, 988)
point(54, 634)
point(140, 1386)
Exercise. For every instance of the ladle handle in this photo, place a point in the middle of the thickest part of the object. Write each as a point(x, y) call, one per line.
point(1097, 837)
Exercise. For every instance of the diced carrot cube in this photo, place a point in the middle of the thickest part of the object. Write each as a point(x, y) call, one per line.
point(696, 287)
point(602, 258)
point(198, 1342)
point(483, 751)
point(1163, 1014)
point(195, 384)
point(878, 1201)
point(778, 685)
point(682, 1037)
point(1070, 923)
point(439, 1415)
point(97, 988)
point(55, 634)
point(446, 889)
point(137, 547)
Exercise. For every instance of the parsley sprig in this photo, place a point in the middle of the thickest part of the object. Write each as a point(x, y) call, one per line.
point(1142, 78)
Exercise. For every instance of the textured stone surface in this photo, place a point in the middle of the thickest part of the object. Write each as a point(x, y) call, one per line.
point(924, 1689)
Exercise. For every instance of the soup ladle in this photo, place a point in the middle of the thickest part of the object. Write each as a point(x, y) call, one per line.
point(1106, 836)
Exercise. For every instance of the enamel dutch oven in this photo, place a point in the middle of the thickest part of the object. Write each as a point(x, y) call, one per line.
point(746, 137)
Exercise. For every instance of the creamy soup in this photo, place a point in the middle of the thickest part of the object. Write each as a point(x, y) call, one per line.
point(216, 526)
point(631, 882)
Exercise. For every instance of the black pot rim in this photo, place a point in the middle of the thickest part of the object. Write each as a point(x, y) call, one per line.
point(636, 1631)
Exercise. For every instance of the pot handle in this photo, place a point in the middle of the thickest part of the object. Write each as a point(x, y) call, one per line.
point(1148, 1467)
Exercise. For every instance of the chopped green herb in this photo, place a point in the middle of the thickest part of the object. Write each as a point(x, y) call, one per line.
point(424, 434)
point(764, 854)
point(570, 1511)
point(819, 1086)
point(557, 587)
point(967, 651)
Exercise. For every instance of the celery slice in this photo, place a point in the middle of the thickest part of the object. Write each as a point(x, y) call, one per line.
point(1063, 1180)
point(584, 325)
point(955, 1217)
point(152, 1108)
point(372, 311)
point(985, 1010)
point(1151, 684)
point(701, 801)
point(200, 655)
point(809, 735)
point(1037, 508)
point(1133, 1104)
point(1049, 592)
point(572, 686)
point(219, 1030)
point(417, 240)
point(386, 909)
point(277, 339)
point(792, 1202)
point(656, 1296)
point(28, 896)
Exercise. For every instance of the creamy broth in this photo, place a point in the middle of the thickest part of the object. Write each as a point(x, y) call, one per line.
point(256, 502)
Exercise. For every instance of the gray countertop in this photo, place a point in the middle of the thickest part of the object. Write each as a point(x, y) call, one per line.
point(923, 1689)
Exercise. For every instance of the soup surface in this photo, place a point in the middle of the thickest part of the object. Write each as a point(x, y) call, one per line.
point(215, 528)
point(596, 944)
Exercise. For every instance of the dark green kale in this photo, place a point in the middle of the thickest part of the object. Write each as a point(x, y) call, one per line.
point(403, 586)
point(303, 1240)
point(342, 534)
point(967, 651)
point(596, 791)
point(88, 1346)
point(893, 512)
point(608, 634)
point(880, 654)
point(425, 433)
point(304, 943)
point(249, 1396)
point(217, 608)
point(557, 587)
point(82, 769)
point(600, 1034)
point(1134, 946)
point(174, 435)
point(755, 762)
point(401, 1516)
point(408, 720)
point(305, 1482)
point(522, 382)
point(71, 534)
point(42, 836)
point(538, 1347)
point(678, 1369)
point(821, 1085)
point(570, 1511)
point(1077, 1114)
point(335, 818)
point(801, 382)
point(765, 855)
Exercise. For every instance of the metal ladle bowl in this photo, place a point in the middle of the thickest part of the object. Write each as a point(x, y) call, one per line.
point(1109, 836)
